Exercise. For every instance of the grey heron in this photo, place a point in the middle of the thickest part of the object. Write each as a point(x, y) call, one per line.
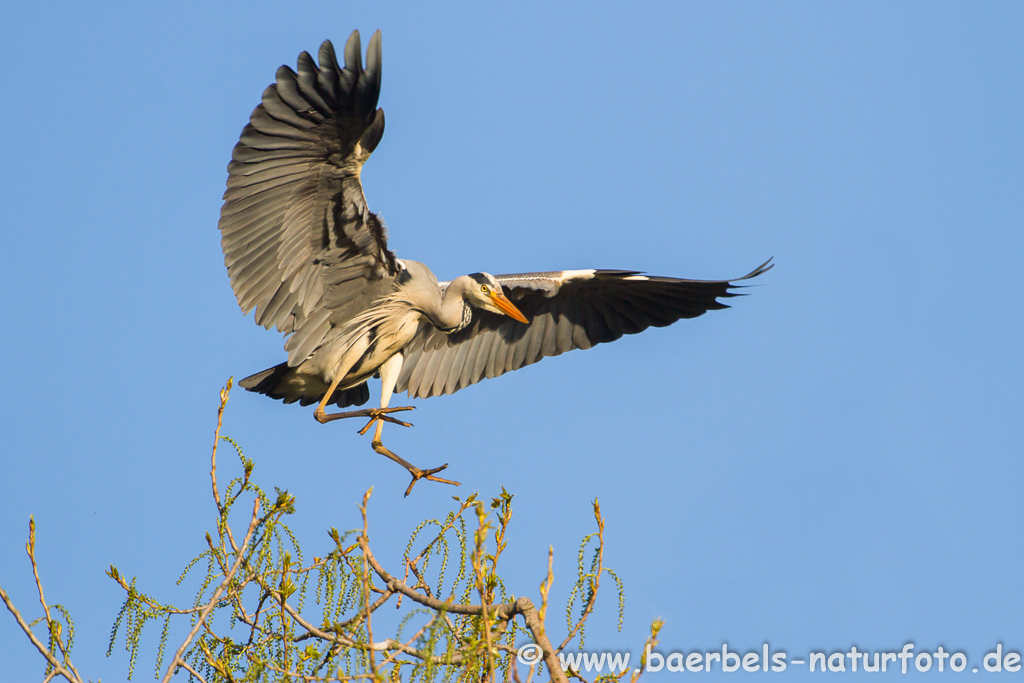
point(303, 249)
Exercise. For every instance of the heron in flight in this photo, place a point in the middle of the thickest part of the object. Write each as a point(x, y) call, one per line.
point(303, 249)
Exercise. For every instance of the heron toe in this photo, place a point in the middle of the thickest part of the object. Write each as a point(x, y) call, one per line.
point(418, 474)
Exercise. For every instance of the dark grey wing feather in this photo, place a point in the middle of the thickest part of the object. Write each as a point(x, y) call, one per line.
point(300, 244)
point(567, 310)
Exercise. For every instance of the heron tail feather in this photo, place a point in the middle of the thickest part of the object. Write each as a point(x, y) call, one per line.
point(285, 384)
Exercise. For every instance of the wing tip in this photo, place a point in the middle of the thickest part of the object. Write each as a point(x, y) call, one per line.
point(760, 270)
point(763, 268)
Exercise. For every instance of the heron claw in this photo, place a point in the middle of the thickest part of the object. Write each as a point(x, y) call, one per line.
point(418, 474)
point(382, 414)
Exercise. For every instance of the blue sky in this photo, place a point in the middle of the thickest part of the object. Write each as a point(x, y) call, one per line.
point(836, 460)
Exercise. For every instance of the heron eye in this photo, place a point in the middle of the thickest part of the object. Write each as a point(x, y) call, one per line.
point(483, 288)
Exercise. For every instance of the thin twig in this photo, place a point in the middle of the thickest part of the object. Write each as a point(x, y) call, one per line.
point(354, 620)
point(256, 617)
point(216, 596)
point(366, 581)
point(222, 525)
point(595, 579)
point(426, 589)
point(184, 665)
point(500, 611)
point(523, 606)
point(384, 645)
point(57, 666)
point(652, 642)
point(307, 677)
point(480, 574)
point(52, 626)
point(224, 393)
point(149, 601)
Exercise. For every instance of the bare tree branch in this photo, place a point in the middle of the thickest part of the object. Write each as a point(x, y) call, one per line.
point(224, 393)
point(455, 638)
point(184, 665)
point(533, 622)
point(501, 611)
point(595, 580)
point(57, 666)
point(366, 583)
point(215, 598)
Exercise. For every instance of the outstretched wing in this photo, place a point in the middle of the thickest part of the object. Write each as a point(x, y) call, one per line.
point(569, 309)
point(300, 244)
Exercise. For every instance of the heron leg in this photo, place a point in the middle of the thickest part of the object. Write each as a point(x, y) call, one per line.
point(376, 414)
point(389, 378)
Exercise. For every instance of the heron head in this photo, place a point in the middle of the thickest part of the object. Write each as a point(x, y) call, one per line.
point(485, 292)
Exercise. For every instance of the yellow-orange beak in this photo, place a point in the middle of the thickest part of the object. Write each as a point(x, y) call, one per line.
point(506, 307)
